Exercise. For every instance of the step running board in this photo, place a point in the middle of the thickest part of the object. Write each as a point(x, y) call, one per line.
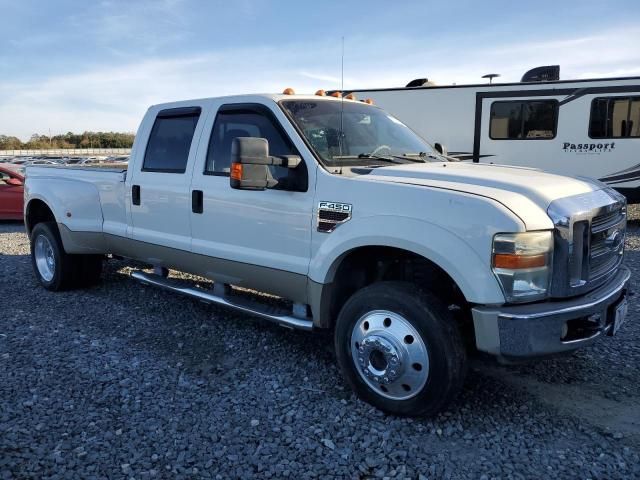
point(275, 314)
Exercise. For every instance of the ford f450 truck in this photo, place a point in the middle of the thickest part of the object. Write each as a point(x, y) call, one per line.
point(358, 225)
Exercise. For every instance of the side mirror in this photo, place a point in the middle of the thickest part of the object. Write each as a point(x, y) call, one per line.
point(250, 161)
point(441, 149)
point(14, 182)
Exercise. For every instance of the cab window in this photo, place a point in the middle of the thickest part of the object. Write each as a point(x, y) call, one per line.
point(250, 121)
point(170, 140)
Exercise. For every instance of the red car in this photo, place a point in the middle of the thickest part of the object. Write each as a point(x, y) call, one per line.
point(11, 192)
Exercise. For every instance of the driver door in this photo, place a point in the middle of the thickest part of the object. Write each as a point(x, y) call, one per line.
point(260, 239)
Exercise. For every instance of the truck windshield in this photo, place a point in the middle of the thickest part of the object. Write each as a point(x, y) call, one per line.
point(354, 133)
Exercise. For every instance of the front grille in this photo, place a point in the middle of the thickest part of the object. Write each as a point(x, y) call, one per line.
point(589, 240)
point(606, 242)
point(602, 222)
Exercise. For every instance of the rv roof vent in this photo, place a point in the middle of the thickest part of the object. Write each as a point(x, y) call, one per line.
point(420, 82)
point(548, 73)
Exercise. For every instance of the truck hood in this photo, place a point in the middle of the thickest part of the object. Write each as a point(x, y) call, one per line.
point(514, 187)
point(488, 180)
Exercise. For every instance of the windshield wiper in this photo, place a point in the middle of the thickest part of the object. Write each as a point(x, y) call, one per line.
point(423, 155)
point(369, 156)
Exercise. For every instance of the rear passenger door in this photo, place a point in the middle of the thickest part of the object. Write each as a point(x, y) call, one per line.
point(159, 188)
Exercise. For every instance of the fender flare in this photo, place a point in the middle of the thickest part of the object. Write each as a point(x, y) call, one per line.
point(74, 204)
point(454, 255)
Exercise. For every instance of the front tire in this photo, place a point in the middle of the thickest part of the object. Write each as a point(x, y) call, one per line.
point(400, 349)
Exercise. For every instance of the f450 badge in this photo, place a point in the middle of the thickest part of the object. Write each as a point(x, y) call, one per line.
point(332, 214)
point(335, 206)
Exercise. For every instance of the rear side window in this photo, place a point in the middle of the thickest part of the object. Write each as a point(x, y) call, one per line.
point(524, 120)
point(615, 117)
point(170, 140)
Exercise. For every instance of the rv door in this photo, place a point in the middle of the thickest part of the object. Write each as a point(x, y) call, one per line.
point(521, 131)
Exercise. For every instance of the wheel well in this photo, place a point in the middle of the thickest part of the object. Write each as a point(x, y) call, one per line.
point(366, 265)
point(38, 212)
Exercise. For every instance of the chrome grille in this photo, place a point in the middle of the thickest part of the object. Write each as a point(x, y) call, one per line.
point(606, 242)
point(602, 222)
point(589, 240)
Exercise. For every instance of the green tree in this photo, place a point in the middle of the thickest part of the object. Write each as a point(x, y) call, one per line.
point(70, 140)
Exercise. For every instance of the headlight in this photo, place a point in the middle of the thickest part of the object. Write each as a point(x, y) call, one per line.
point(522, 263)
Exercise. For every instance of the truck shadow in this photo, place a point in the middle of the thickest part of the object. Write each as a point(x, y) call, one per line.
point(215, 346)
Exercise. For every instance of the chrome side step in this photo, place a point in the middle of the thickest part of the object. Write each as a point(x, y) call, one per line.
point(275, 314)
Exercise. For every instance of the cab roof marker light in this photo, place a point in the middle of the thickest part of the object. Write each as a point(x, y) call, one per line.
point(288, 91)
point(321, 93)
point(350, 96)
point(336, 94)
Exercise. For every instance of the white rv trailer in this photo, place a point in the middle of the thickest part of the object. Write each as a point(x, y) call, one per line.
point(571, 127)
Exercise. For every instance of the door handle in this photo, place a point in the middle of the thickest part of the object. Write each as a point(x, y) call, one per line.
point(197, 204)
point(135, 194)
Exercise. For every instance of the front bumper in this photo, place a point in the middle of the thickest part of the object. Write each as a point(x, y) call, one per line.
point(533, 330)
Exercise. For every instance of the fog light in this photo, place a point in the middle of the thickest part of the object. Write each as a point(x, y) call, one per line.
point(565, 331)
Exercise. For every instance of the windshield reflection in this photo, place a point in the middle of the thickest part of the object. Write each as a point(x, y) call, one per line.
point(355, 133)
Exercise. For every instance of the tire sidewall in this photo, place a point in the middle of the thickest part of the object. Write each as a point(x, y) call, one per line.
point(427, 316)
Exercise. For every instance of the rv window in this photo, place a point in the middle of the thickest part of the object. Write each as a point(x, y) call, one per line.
point(615, 117)
point(524, 120)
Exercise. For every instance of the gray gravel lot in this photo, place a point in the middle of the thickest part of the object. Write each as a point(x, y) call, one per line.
point(124, 381)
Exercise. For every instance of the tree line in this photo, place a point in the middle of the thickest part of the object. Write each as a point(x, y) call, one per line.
point(69, 140)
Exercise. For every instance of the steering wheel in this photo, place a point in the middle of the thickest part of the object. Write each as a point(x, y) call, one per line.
point(381, 147)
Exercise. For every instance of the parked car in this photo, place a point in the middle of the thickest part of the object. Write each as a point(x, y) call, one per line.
point(21, 160)
point(43, 161)
point(340, 209)
point(11, 192)
point(73, 160)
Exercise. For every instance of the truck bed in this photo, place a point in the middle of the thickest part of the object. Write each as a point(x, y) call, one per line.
point(85, 199)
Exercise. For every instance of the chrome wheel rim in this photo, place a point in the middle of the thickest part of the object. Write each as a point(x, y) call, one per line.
point(390, 355)
point(45, 260)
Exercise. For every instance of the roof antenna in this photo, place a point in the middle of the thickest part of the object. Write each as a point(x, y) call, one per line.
point(342, 68)
point(341, 141)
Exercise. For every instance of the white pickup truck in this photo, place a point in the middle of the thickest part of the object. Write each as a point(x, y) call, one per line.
point(358, 225)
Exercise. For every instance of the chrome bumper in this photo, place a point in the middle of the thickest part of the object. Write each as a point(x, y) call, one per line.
point(533, 330)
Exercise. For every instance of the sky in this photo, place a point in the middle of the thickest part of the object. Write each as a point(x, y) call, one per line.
point(70, 65)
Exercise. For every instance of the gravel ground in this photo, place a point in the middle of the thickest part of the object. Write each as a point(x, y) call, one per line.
point(124, 381)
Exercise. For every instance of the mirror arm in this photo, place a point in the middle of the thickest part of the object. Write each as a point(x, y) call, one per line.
point(287, 161)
